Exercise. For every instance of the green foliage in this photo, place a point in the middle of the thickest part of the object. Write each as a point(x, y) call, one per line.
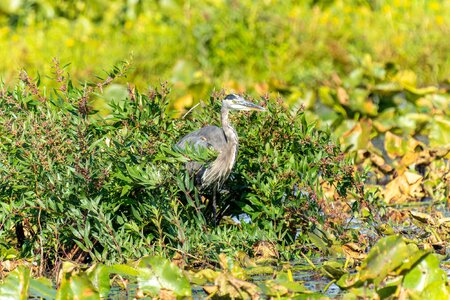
point(151, 274)
point(397, 269)
point(78, 186)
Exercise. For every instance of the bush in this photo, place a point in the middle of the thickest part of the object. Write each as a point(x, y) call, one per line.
point(80, 187)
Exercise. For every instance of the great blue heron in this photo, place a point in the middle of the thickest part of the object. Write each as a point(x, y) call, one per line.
point(224, 141)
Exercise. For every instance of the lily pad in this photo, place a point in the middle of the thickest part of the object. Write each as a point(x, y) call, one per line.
point(15, 285)
point(157, 274)
point(426, 272)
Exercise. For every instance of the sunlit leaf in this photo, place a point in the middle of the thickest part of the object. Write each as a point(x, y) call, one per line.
point(99, 276)
point(385, 256)
point(157, 273)
point(424, 273)
point(42, 287)
point(16, 284)
point(395, 145)
point(440, 132)
point(76, 285)
point(358, 136)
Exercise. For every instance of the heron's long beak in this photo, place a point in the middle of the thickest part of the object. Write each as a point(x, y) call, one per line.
point(247, 105)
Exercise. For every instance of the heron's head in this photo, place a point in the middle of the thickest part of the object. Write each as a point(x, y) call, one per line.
point(236, 102)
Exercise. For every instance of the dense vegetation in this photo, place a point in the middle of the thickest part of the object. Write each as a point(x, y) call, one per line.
point(357, 129)
point(80, 187)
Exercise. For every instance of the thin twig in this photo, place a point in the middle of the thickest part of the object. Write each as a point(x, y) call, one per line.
point(308, 261)
point(189, 111)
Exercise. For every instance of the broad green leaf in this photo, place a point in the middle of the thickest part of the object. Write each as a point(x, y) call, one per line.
point(416, 255)
point(16, 284)
point(385, 256)
point(424, 273)
point(332, 269)
point(99, 276)
point(124, 270)
point(440, 132)
point(157, 273)
point(42, 287)
point(436, 291)
point(75, 284)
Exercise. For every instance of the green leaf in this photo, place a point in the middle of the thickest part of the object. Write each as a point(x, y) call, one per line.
point(386, 255)
point(42, 287)
point(435, 291)
point(99, 276)
point(15, 285)
point(426, 272)
point(156, 273)
point(124, 270)
point(440, 132)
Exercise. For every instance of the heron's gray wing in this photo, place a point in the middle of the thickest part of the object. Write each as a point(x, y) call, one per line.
point(206, 137)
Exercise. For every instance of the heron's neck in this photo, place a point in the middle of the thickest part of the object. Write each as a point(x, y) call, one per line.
point(221, 168)
point(230, 132)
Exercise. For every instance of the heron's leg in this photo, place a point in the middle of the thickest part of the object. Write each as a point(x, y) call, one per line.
point(214, 204)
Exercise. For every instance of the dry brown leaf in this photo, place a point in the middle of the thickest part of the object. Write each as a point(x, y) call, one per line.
point(167, 294)
point(228, 286)
point(264, 249)
point(380, 163)
point(405, 187)
point(354, 251)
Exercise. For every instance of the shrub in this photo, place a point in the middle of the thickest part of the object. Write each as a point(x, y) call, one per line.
point(80, 187)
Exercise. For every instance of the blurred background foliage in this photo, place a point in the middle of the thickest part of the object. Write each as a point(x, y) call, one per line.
point(285, 47)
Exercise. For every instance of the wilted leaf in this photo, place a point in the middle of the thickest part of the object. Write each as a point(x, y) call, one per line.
point(354, 251)
point(75, 285)
point(264, 249)
point(422, 217)
point(203, 276)
point(342, 96)
point(228, 286)
point(379, 161)
point(404, 188)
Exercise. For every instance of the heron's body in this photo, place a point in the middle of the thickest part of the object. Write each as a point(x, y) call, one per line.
point(223, 140)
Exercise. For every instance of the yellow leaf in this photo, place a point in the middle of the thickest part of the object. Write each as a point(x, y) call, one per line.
point(406, 187)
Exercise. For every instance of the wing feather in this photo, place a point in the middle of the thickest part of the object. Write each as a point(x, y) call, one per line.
point(206, 137)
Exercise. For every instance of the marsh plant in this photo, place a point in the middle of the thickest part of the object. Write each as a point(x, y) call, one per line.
point(78, 186)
